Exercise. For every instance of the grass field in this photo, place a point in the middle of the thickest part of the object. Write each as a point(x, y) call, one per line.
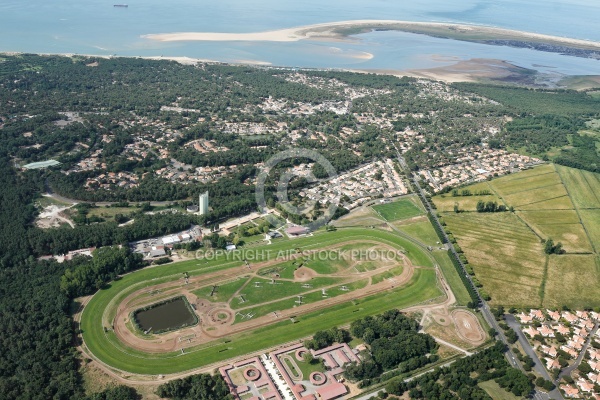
point(223, 292)
point(496, 392)
point(401, 209)
point(101, 309)
point(505, 250)
point(424, 232)
point(573, 280)
point(591, 221)
point(507, 257)
point(583, 186)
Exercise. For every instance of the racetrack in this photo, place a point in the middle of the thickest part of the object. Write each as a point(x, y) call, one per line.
point(410, 281)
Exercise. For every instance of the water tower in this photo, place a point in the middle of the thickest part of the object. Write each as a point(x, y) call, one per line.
point(203, 203)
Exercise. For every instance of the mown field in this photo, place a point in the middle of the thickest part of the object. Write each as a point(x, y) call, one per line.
point(397, 210)
point(101, 309)
point(506, 249)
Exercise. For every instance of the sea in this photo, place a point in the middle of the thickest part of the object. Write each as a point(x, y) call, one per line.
point(96, 27)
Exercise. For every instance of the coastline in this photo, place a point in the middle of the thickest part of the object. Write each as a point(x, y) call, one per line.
point(472, 70)
point(343, 29)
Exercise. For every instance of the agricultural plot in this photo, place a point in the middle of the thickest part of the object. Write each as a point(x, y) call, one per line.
point(583, 186)
point(591, 221)
point(562, 202)
point(572, 236)
point(507, 257)
point(574, 281)
point(505, 249)
point(533, 196)
point(446, 202)
point(543, 217)
point(401, 209)
point(532, 182)
point(269, 314)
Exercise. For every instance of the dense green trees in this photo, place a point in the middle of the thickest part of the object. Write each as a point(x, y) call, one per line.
point(322, 339)
point(116, 393)
point(394, 343)
point(196, 387)
point(89, 275)
point(459, 380)
point(553, 248)
point(489, 206)
point(37, 360)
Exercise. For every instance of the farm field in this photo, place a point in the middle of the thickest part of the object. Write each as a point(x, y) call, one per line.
point(573, 280)
point(397, 210)
point(583, 186)
point(506, 256)
point(231, 328)
point(506, 250)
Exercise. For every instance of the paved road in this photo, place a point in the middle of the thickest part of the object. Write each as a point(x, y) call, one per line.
point(538, 366)
point(485, 310)
point(569, 369)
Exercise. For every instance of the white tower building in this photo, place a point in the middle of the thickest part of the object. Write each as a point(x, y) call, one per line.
point(203, 203)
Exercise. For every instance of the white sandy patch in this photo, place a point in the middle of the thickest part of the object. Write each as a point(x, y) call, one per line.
point(329, 30)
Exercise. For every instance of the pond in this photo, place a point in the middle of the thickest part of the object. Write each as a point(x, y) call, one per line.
point(166, 316)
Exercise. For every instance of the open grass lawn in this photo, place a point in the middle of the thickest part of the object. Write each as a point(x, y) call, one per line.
point(584, 186)
point(266, 291)
point(573, 280)
point(359, 217)
point(539, 170)
point(452, 277)
point(420, 230)
point(401, 209)
point(224, 291)
point(45, 201)
point(101, 309)
point(507, 257)
point(108, 213)
point(307, 298)
point(308, 368)
point(496, 392)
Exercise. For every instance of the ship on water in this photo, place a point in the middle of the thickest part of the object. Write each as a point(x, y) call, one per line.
point(120, 5)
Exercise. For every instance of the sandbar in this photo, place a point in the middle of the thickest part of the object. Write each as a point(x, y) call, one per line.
point(343, 29)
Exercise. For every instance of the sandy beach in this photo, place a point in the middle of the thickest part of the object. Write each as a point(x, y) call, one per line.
point(342, 29)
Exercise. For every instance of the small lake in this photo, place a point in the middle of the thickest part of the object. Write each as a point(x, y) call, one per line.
point(166, 316)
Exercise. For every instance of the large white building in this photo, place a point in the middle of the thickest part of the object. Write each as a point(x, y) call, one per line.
point(203, 203)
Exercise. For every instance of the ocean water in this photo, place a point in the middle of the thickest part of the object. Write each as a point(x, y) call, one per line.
point(96, 27)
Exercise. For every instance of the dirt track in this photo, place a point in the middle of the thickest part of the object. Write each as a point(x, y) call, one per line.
point(211, 328)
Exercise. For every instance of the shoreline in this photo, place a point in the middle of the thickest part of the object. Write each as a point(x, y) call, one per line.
point(343, 29)
point(471, 70)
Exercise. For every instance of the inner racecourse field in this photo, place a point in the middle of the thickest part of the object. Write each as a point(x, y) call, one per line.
point(247, 301)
